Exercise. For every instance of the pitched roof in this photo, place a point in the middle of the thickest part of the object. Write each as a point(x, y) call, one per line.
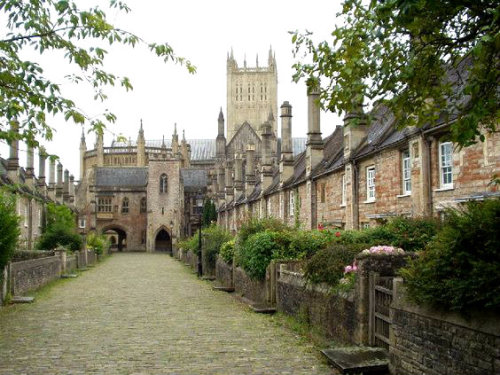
point(194, 179)
point(121, 176)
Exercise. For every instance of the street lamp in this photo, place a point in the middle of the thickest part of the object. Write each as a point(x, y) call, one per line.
point(199, 205)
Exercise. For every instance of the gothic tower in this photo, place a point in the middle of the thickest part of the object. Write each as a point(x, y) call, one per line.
point(252, 92)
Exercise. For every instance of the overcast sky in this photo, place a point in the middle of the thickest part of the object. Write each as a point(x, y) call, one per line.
point(164, 94)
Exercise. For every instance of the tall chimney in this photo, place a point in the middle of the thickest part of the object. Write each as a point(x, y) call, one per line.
point(229, 182)
point(66, 186)
point(83, 149)
point(42, 157)
point(30, 170)
point(286, 162)
point(100, 149)
point(238, 174)
point(250, 170)
point(71, 189)
point(13, 162)
point(314, 145)
point(59, 185)
point(52, 179)
point(266, 162)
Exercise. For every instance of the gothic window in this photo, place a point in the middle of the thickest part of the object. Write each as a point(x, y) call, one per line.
point(104, 205)
point(143, 205)
point(125, 205)
point(163, 183)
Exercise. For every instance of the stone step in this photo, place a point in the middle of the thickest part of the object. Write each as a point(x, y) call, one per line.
point(228, 289)
point(22, 299)
point(208, 278)
point(263, 309)
point(358, 360)
point(69, 276)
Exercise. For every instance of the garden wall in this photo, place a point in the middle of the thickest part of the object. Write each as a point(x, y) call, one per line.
point(224, 273)
point(426, 341)
point(332, 314)
point(32, 274)
point(253, 290)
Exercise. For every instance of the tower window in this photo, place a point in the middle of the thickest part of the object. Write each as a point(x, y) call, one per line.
point(125, 205)
point(163, 183)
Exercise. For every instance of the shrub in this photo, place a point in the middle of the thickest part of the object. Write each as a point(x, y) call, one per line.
point(411, 234)
point(328, 264)
point(214, 237)
point(253, 226)
point(60, 229)
point(300, 244)
point(190, 243)
point(9, 228)
point(257, 252)
point(227, 251)
point(460, 269)
point(99, 243)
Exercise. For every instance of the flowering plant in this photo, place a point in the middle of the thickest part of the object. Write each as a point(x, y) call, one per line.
point(383, 250)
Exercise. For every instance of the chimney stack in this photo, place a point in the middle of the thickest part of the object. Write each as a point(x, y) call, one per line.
point(314, 145)
point(13, 162)
point(286, 162)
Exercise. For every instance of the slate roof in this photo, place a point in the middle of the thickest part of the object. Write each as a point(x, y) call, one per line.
point(121, 176)
point(194, 179)
point(204, 149)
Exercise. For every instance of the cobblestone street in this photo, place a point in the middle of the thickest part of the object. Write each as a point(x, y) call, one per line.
point(146, 314)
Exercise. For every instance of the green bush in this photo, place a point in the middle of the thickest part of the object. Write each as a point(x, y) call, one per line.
point(327, 265)
point(300, 244)
point(9, 228)
point(59, 236)
point(253, 226)
point(190, 243)
point(460, 269)
point(60, 229)
point(227, 251)
point(214, 237)
point(99, 243)
point(257, 252)
point(411, 234)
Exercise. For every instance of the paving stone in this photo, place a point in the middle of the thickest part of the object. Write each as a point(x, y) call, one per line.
point(146, 314)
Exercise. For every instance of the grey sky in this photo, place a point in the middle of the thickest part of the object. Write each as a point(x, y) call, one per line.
point(204, 32)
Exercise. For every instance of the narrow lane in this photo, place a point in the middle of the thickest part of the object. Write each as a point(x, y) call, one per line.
point(145, 314)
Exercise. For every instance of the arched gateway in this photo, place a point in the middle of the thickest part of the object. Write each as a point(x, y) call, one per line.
point(117, 237)
point(163, 241)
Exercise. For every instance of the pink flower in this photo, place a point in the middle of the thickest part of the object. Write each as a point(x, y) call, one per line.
point(348, 269)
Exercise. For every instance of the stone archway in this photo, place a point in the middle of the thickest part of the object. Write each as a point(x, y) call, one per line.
point(163, 241)
point(117, 237)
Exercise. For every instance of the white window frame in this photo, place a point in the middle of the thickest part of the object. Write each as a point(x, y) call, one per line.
point(291, 203)
point(370, 184)
point(82, 223)
point(344, 191)
point(446, 165)
point(26, 215)
point(406, 172)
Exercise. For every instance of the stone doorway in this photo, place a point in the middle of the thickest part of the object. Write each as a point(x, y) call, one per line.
point(117, 238)
point(163, 242)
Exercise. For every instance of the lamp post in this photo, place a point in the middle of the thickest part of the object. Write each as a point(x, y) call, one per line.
point(199, 205)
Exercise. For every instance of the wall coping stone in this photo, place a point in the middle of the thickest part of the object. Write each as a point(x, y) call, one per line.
point(481, 321)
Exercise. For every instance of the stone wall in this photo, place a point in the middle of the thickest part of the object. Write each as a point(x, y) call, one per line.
point(71, 262)
point(224, 273)
point(425, 341)
point(253, 290)
point(32, 274)
point(332, 314)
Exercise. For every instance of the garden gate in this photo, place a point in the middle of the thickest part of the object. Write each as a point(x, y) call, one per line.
point(381, 293)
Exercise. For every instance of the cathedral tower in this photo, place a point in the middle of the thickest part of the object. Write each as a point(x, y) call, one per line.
point(251, 93)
